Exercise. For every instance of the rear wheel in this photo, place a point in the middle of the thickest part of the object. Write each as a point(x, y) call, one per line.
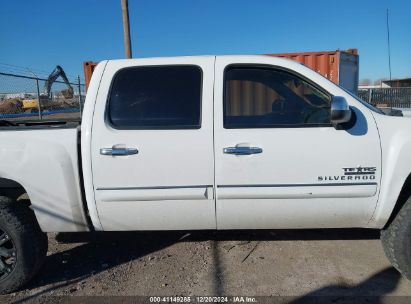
point(7, 255)
point(396, 240)
point(23, 246)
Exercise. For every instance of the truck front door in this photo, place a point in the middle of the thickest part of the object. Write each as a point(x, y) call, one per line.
point(152, 145)
point(279, 161)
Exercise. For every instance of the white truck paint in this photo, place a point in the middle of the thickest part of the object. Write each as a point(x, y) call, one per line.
point(45, 163)
point(169, 176)
point(182, 179)
point(293, 158)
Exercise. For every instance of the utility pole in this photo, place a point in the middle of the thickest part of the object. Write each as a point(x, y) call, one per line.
point(126, 28)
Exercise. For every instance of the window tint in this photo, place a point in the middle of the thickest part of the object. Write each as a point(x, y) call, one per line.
point(157, 97)
point(264, 98)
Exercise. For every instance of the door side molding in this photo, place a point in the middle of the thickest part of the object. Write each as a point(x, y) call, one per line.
point(296, 191)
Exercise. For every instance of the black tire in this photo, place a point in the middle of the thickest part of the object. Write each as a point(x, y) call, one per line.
point(396, 240)
point(25, 239)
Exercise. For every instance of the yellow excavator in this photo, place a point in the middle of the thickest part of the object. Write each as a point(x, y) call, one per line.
point(30, 105)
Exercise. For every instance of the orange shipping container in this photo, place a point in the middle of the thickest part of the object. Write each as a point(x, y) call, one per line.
point(88, 67)
point(341, 67)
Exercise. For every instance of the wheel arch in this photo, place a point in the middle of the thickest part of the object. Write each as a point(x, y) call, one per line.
point(402, 198)
point(12, 189)
point(46, 218)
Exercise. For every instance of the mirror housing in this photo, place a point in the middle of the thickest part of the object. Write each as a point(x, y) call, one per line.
point(340, 111)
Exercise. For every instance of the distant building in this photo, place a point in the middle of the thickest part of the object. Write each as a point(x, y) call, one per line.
point(369, 87)
point(397, 83)
point(17, 95)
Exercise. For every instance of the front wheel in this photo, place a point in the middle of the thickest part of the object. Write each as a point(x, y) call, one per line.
point(23, 246)
point(396, 240)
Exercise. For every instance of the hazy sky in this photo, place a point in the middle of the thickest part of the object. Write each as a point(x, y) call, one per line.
point(42, 34)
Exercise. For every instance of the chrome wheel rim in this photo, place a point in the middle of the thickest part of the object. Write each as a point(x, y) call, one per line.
point(7, 255)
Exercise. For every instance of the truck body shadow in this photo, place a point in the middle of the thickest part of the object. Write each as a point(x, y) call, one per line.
point(371, 290)
point(99, 251)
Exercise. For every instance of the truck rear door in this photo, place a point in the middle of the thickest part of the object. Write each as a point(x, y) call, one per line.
point(152, 145)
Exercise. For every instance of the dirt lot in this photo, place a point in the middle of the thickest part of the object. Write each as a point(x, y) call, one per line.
point(338, 263)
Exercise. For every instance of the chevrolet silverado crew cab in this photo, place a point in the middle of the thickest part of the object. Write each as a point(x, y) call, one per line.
point(209, 142)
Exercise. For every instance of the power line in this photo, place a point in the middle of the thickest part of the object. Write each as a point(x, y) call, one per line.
point(389, 45)
point(26, 71)
point(389, 52)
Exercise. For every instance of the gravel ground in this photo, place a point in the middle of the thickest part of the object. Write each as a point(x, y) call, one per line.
point(297, 263)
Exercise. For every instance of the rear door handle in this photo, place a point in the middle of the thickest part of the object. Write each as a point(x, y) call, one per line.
point(242, 150)
point(118, 151)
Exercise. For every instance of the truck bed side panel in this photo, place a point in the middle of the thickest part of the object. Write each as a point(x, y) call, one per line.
point(45, 163)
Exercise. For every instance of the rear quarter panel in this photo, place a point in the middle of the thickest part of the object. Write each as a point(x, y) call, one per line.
point(45, 163)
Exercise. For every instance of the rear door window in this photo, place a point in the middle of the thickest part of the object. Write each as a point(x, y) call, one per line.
point(156, 97)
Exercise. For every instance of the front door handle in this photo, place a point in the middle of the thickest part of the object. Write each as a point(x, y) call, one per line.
point(242, 150)
point(118, 151)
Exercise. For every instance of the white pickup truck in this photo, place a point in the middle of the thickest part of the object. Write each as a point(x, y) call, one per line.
point(210, 142)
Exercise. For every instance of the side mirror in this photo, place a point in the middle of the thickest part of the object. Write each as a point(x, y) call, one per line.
point(340, 111)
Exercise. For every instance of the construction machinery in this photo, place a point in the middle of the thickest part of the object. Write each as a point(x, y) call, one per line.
point(46, 98)
point(58, 72)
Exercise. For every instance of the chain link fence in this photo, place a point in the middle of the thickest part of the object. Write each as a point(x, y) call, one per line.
point(387, 97)
point(25, 97)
